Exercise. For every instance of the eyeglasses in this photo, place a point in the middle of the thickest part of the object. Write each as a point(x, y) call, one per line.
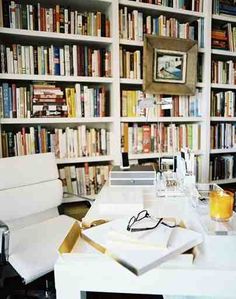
point(142, 215)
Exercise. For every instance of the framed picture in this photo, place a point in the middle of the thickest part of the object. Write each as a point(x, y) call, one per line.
point(169, 65)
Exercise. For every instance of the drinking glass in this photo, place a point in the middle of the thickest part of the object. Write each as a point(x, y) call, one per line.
point(221, 205)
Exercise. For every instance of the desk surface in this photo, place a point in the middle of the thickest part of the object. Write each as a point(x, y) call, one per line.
point(213, 272)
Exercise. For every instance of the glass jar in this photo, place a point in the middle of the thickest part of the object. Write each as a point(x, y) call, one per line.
point(221, 205)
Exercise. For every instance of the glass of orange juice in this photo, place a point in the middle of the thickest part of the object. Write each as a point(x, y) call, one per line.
point(221, 205)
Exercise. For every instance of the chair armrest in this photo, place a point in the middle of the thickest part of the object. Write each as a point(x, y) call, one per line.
point(5, 238)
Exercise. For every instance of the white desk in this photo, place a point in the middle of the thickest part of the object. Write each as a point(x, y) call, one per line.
point(212, 274)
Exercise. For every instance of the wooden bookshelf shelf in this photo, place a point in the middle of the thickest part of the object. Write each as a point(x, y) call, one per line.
point(84, 159)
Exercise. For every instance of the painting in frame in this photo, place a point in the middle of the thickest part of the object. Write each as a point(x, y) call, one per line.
point(170, 65)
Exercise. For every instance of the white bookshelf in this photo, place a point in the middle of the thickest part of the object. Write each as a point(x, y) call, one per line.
point(223, 151)
point(224, 182)
point(59, 120)
point(182, 16)
point(115, 83)
point(224, 55)
point(225, 18)
point(223, 86)
point(157, 155)
point(107, 158)
point(158, 9)
point(50, 78)
point(222, 119)
point(131, 81)
point(140, 82)
point(54, 36)
point(161, 119)
point(135, 43)
point(50, 38)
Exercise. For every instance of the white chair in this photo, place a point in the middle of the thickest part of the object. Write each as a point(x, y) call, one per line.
point(30, 193)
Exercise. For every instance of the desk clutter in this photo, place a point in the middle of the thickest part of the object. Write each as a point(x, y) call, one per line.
point(141, 251)
point(139, 243)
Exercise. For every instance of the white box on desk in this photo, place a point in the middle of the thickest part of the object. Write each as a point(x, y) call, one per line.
point(136, 175)
point(79, 249)
point(119, 201)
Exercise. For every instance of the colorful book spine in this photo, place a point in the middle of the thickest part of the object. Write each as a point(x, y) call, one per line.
point(53, 19)
point(159, 137)
point(65, 143)
point(52, 60)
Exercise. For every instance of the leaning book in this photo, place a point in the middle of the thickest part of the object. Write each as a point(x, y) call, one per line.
point(133, 256)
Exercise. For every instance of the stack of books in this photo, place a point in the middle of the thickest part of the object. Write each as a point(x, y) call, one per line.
point(182, 106)
point(53, 19)
point(159, 137)
point(223, 135)
point(130, 64)
point(195, 5)
point(48, 101)
point(223, 103)
point(65, 143)
point(227, 7)
point(223, 72)
point(223, 167)
point(224, 37)
point(133, 25)
point(84, 180)
point(220, 40)
point(69, 60)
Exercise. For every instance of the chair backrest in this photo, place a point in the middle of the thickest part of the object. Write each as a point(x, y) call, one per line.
point(28, 185)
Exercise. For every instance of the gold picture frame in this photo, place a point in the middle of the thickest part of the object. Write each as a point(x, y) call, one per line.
point(169, 65)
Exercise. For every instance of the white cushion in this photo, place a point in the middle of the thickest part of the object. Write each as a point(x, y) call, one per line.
point(25, 170)
point(23, 201)
point(33, 249)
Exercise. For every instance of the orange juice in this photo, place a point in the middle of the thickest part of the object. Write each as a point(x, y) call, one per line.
point(221, 205)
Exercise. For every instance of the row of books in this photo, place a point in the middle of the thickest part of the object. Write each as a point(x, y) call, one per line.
point(53, 19)
point(224, 37)
point(222, 167)
point(65, 143)
point(227, 7)
point(160, 137)
point(223, 135)
point(130, 64)
point(84, 180)
point(134, 24)
point(194, 5)
point(69, 60)
point(49, 100)
point(223, 72)
point(133, 104)
point(223, 103)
